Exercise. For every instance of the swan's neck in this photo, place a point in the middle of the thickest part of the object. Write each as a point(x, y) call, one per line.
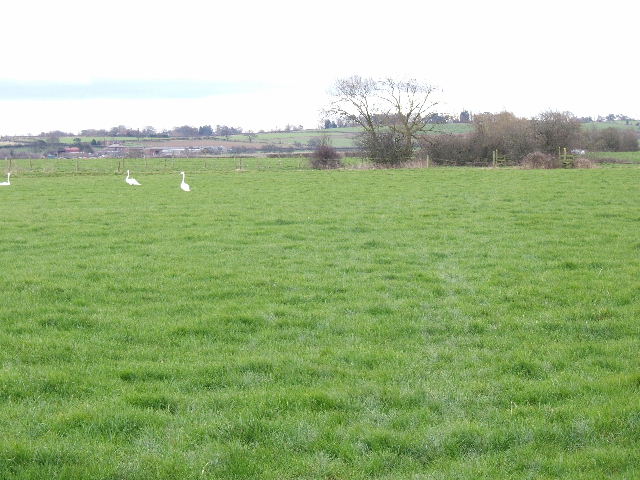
point(183, 176)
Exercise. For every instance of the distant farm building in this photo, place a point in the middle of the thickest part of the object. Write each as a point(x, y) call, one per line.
point(117, 150)
point(114, 150)
point(71, 152)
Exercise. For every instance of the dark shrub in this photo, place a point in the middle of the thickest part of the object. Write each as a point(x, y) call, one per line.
point(385, 149)
point(611, 140)
point(628, 141)
point(511, 136)
point(449, 149)
point(557, 130)
point(325, 156)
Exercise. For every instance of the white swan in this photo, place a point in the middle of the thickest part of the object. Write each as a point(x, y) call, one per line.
point(131, 181)
point(184, 186)
point(7, 183)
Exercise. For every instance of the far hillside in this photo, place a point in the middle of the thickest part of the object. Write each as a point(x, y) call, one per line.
point(341, 138)
point(238, 143)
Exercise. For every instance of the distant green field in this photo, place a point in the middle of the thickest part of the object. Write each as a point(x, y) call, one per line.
point(623, 156)
point(444, 323)
point(340, 137)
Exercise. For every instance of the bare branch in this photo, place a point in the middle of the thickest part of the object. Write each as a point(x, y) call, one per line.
point(390, 112)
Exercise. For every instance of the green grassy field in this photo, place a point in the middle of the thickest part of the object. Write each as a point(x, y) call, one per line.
point(389, 324)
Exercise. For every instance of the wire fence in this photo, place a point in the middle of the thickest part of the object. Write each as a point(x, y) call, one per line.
point(118, 166)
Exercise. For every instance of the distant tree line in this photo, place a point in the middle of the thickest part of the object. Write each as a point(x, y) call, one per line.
point(151, 132)
point(431, 118)
point(180, 131)
point(338, 123)
point(466, 117)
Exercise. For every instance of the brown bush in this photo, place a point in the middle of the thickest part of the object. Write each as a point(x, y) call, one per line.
point(539, 160)
point(511, 136)
point(325, 156)
point(385, 149)
point(557, 130)
point(611, 139)
point(582, 162)
point(448, 149)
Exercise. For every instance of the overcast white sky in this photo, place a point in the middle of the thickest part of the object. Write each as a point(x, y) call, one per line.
point(74, 64)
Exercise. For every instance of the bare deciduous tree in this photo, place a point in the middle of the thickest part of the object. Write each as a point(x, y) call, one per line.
point(392, 114)
point(557, 130)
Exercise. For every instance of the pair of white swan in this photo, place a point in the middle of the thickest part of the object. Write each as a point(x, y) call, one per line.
point(132, 181)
